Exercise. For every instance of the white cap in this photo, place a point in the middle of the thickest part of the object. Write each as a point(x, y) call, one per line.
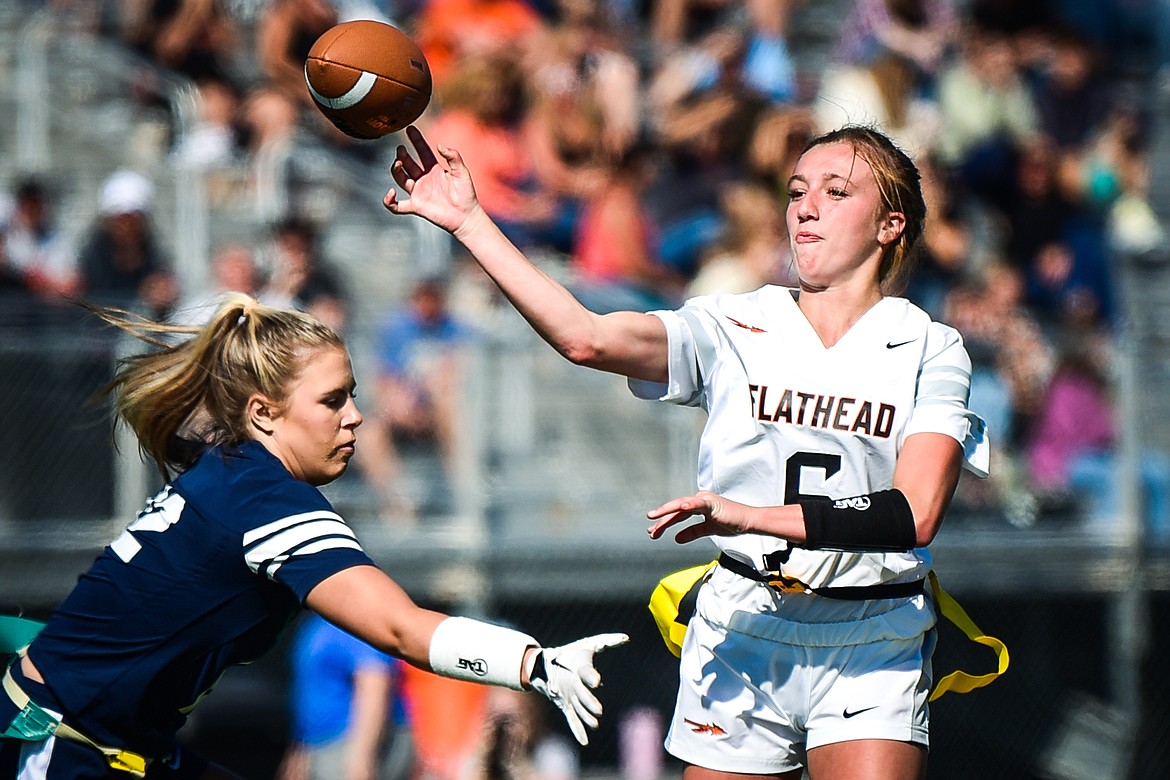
point(126, 192)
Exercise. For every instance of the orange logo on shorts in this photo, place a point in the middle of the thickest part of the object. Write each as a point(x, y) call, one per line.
point(705, 728)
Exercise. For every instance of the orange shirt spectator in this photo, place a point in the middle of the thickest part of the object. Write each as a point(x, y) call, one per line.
point(449, 31)
point(496, 154)
point(481, 115)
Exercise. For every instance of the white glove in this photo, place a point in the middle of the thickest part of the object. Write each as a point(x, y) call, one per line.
point(566, 676)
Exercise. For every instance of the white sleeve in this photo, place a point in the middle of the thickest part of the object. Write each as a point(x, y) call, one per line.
point(688, 357)
point(940, 405)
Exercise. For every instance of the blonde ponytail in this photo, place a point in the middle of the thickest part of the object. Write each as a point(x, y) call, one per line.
point(187, 395)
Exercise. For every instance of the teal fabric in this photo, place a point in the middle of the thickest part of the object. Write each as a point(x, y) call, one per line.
point(16, 632)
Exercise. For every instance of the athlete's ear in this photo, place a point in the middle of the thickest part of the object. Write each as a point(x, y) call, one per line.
point(892, 227)
point(261, 413)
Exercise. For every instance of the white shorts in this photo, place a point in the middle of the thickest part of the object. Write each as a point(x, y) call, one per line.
point(766, 677)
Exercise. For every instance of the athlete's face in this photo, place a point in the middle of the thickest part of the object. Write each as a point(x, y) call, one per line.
point(835, 218)
point(314, 431)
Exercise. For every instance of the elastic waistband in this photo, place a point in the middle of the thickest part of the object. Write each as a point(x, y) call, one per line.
point(891, 590)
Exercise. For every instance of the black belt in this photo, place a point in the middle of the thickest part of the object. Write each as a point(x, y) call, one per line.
point(891, 590)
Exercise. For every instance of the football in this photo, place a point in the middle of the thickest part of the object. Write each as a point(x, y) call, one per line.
point(369, 78)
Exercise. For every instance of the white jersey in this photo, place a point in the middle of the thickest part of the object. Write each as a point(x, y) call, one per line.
point(790, 418)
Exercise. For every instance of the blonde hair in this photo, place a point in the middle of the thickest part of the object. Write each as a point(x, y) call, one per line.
point(182, 397)
point(900, 185)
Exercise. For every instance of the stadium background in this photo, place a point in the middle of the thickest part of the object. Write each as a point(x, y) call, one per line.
point(547, 529)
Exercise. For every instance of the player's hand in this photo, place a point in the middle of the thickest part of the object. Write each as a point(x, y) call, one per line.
point(566, 675)
point(440, 188)
point(717, 516)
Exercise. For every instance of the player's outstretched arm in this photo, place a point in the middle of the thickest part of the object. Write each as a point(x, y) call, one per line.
point(441, 190)
point(710, 514)
point(367, 603)
point(901, 518)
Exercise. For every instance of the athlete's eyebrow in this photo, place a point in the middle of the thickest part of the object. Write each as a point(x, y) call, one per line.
point(797, 177)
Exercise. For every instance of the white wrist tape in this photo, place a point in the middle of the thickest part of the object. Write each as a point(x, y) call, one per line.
point(472, 650)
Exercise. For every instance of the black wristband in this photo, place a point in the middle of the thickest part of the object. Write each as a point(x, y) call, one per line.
point(876, 522)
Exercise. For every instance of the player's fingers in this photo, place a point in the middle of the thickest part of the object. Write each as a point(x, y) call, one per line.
point(601, 642)
point(590, 676)
point(453, 157)
point(404, 161)
point(664, 509)
point(697, 504)
point(657, 529)
point(426, 156)
point(575, 724)
point(585, 713)
point(392, 204)
point(588, 709)
point(400, 176)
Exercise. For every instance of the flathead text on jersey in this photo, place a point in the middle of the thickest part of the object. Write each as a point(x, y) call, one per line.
point(814, 410)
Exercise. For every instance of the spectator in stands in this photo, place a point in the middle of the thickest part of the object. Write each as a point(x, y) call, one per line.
point(715, 64)
point(201, 41)
point(36, 246)
point(420, 365)
point(775, 142)
point(884, 92)
point(1034, 209)
point(676, 25)
point(233, 269)
point(1055, 242)
point(517, 743)
point(918, 32)
point(988, 113)
point(582, 88)
point(213, 140)
point(753, 249)
point(1072, 448)
point(121, 261)
point(683, 30)
point(196, 38)
point(299, 277)
point(1011, 362)
point(482, 110)
point(285, 31)
point(950, 253)
point(349, 720)
point(615, 251)
point(1071, 94)
point(705, 131)
point(450, 32)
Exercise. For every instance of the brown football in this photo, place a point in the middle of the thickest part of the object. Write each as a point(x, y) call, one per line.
point(368, 78)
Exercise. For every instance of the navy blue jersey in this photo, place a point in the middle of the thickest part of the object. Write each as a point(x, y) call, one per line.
point(207, 576)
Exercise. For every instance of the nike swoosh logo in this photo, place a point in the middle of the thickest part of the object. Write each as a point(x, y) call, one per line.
point(894, 344)
point(846, 713)
point(557, 662)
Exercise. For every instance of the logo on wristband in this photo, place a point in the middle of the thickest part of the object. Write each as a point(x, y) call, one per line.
point(476, 666)
point(860, 503)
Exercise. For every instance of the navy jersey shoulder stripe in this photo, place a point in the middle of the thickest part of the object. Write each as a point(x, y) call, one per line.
point(267, 547)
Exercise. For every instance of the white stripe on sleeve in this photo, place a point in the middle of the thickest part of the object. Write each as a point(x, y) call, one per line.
point(333, 543)
point(301, 534)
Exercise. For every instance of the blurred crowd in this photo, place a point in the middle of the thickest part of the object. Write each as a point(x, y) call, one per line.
point(644, 145)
